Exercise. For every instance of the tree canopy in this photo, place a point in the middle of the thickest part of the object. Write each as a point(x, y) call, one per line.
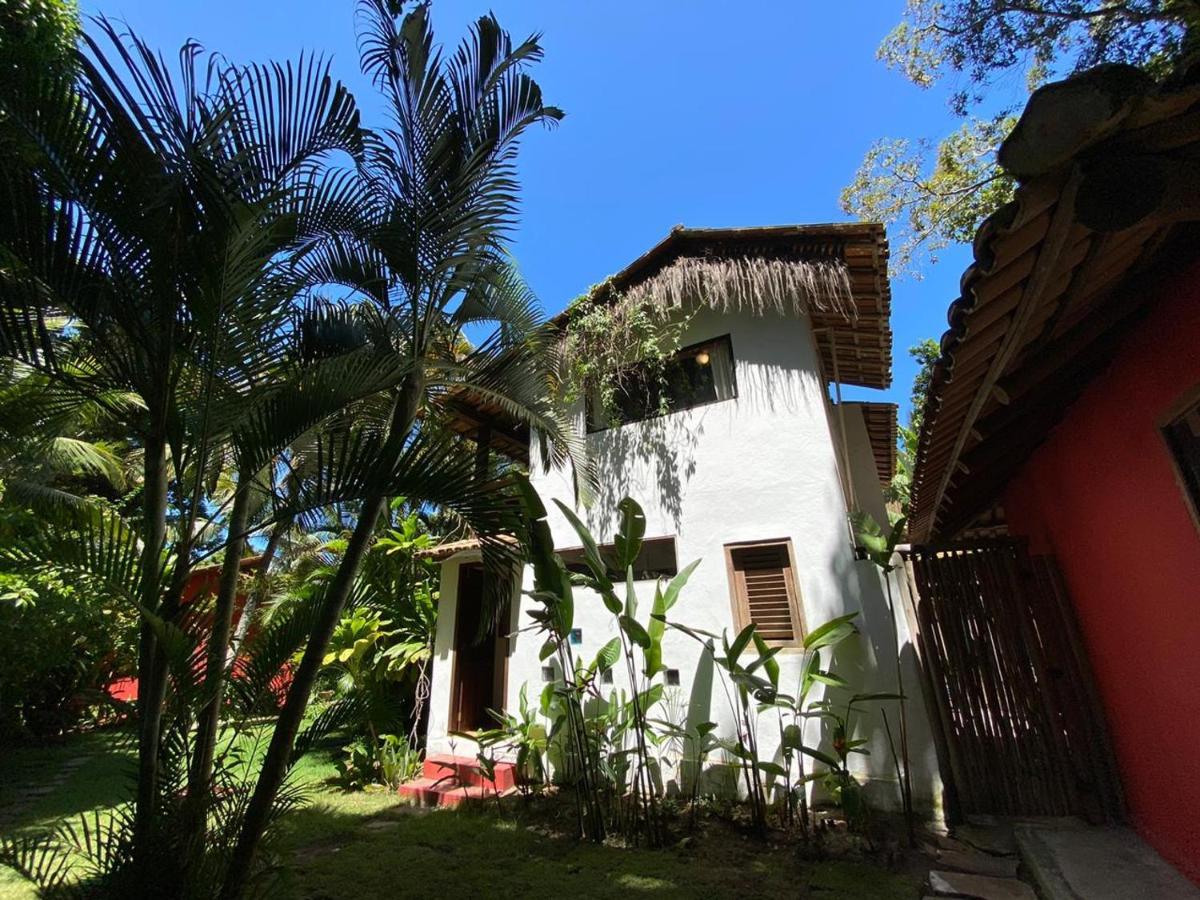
point(936, 192)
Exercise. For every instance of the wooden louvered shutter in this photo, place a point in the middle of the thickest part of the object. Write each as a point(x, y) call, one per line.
point(765, 591)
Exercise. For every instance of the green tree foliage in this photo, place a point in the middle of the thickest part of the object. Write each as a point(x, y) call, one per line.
point(939, 192)
point(181, 221)
point(62, 639)
point(379, 655)
point(608, 339)
point(38, 32)
point(926, 354)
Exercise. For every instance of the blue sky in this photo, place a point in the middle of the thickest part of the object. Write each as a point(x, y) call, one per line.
point(708, 114)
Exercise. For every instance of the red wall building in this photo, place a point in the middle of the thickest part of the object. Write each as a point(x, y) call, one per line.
point(1101, 494)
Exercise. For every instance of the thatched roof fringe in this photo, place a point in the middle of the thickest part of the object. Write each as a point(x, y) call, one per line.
point(749, 284)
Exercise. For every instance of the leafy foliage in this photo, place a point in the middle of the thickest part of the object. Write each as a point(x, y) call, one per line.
point(609, 739)
point(610, 342)
point(164, 236)
point(986, 39)
point(62, 639)
point(380, 650)
point(899, 491)
point(940, 193)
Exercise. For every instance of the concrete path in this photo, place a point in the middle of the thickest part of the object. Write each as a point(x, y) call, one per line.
point(1088, 863)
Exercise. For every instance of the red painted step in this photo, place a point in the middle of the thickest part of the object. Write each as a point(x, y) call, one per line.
point(451, 780)
point(466, 770)
point(428, 792)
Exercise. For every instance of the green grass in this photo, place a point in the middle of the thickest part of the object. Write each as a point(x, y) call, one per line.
point(100, 783)
point(332, 853)
point(365, 845)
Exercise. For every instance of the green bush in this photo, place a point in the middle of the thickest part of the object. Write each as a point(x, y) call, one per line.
point(61, 643)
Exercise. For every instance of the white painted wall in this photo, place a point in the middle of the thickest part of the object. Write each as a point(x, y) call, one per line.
point(762, 466)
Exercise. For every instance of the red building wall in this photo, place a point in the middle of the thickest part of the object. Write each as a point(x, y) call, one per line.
point(1101, 495)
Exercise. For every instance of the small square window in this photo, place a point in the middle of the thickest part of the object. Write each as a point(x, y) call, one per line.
point(576, 637)
point(763, 588)
point(672, 677)
point(1182, 434)
point(606, 677)
point(547, 673)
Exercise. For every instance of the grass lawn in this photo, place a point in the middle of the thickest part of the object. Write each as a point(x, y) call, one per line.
point(365, 845)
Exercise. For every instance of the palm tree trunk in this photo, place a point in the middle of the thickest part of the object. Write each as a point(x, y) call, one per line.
point(149, 707)
point(215, 664)
point(259, 591)
point(278, 759)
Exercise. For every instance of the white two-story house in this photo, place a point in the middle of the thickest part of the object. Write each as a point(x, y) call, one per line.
point(753, 471)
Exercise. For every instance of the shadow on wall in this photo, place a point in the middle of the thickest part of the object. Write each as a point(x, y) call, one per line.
point(869, 664)
point(774, 378)
point(657, 455)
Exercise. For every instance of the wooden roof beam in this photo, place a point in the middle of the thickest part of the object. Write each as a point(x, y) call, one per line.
point(1043, 273)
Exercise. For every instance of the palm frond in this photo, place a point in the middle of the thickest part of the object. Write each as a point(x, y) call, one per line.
point(103, 548)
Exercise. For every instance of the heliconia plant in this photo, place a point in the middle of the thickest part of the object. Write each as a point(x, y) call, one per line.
point(699, 742)
point(839, 780)
point(598, 727)
point(793, 710)
point(635, 639)
point(554, 617)
point(755, 683)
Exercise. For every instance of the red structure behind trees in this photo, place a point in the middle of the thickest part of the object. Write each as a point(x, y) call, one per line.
point(202, 586)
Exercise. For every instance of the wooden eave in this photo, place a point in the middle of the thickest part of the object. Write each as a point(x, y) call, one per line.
point(858, 348)
point(880, 420)
point(1053, 287)
point(478, 418)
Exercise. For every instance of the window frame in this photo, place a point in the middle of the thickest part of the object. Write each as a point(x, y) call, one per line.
point(1183, 404)
point(740, 603)
point(656, 539)
point(727, 338)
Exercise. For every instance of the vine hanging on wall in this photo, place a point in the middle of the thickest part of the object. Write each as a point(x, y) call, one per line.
point(608, 339)
point(614, 337)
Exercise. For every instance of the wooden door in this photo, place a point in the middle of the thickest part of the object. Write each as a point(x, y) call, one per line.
point(479, 663)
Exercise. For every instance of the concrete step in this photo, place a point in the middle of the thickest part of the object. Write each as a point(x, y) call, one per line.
point(444, 792)
point(465, 770)
point(975, 862)
point(1099, 863)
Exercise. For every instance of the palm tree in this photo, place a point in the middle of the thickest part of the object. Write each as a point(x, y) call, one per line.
point(428, 262)
point(177, 225)
point(57, 449)
point(164, 218)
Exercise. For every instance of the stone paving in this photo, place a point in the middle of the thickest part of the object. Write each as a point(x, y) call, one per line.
point(1098, 863)
point(991, 858)
point(23, 797)
point(978, 859)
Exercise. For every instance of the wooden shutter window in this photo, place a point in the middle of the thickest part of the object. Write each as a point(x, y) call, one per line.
point(764, 591)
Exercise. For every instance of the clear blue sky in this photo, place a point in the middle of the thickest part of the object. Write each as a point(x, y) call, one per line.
point(702, 113)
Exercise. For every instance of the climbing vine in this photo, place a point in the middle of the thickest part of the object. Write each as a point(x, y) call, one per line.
point(612, 343)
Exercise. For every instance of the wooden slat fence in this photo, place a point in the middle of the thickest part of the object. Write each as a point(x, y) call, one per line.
point(1023, 727)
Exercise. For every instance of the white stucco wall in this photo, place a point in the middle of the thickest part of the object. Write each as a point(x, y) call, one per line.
point(762, 466)
point(877, 632)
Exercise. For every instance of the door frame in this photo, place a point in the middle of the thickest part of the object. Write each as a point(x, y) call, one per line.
point(501, 650)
